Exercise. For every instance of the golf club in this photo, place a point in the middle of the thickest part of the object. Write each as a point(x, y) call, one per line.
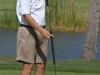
point(52, 45)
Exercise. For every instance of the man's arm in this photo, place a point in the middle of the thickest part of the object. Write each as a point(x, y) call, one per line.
point(35, 25)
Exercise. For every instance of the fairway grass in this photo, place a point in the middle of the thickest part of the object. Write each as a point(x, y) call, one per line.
point(16, 72)
point(74, 66)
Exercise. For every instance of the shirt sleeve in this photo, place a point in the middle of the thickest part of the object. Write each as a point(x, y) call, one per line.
point(25, 6)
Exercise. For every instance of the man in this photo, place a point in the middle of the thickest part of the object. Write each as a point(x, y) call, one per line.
point(32, 36)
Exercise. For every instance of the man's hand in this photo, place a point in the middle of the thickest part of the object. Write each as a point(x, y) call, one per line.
point(46, 34)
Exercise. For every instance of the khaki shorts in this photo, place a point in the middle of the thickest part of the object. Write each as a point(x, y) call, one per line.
point(31, 46)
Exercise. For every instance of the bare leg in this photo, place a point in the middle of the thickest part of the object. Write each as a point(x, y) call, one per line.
point(27, 69)
point(40, 69)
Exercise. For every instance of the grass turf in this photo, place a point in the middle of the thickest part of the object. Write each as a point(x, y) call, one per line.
point(75, 66)
point(17, 72)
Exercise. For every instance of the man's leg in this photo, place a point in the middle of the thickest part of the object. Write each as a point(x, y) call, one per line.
point(27, 69)
point(40, 69)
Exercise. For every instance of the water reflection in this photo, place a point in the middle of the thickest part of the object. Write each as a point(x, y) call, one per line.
point(67, 45)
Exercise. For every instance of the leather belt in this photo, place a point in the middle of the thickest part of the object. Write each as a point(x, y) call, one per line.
point(30, 26)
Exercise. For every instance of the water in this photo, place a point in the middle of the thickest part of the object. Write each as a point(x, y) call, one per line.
point(8, 42)
point(66, 45)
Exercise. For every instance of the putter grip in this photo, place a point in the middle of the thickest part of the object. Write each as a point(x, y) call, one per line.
point(47, 2)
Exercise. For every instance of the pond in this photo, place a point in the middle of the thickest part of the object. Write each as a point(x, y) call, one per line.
point(67, 45)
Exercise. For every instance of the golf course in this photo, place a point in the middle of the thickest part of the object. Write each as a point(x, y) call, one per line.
point(74, 19)
point(14, 72)
point(9, 66)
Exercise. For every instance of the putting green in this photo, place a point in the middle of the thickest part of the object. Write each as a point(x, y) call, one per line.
point(16, 72)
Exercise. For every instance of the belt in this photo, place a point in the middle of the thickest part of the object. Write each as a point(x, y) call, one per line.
point(30, 26)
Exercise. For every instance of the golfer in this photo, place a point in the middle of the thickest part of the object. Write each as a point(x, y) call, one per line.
point(32, 36)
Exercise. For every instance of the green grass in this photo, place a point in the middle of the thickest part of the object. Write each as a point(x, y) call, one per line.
point(77, 66)
point(70, 15)
point(16, 72)
point(7, 4)
point(8, 17)
point(63, 66)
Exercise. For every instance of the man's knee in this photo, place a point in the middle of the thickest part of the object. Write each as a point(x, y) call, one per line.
point(40, 66)
point(28, 66)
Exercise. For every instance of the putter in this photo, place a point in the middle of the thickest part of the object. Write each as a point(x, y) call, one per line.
point(52, 45)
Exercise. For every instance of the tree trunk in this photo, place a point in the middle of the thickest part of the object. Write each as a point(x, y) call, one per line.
point(91, 39)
